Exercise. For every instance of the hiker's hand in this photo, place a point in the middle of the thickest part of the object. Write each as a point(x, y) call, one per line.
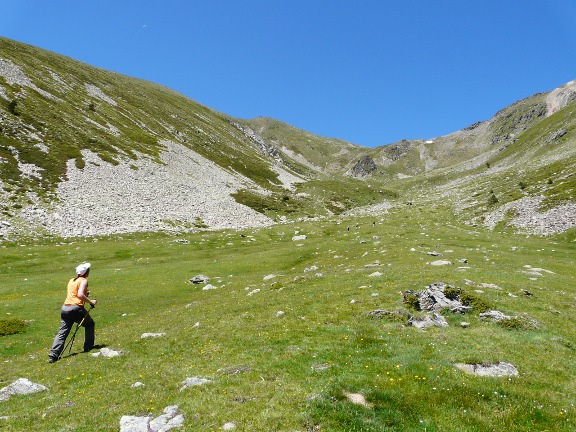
point(93, 302)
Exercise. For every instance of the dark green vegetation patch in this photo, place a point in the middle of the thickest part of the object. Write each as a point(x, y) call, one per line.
point(10, 326)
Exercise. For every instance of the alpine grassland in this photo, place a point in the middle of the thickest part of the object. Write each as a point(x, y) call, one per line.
point(283, 328)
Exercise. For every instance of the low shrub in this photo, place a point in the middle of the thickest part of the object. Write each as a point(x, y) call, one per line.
point(452, 293)
point(411, 301)
point(394, 316)
point(475, 302)
point(11, 326)
point(520, 322)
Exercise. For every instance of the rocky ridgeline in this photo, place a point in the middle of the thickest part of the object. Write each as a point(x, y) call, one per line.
point(186, 191)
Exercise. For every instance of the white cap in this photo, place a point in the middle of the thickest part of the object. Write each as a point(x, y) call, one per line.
point(82, 268)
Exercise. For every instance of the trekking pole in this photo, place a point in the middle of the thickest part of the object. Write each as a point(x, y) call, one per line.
point(71, 342)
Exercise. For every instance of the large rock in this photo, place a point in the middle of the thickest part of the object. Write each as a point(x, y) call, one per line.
point(434, 320)
point(500, 369)
point(20, 386)
point(433, 299)
point(363, 168)
point(165, 422)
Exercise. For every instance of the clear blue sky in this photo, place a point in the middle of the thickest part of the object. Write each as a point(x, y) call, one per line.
point(368, 71)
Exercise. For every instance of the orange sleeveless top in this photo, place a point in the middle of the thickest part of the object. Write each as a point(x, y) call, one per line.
point(72, 296)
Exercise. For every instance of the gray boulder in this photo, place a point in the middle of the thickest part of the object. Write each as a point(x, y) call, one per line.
point(433, 299)
point(494, 315)
point(441, 263)
point(108, 352)
point(192, 382)
point(500, 369)
point(19, 387)
point(165, 422)
point(198, 279)
point(434, 320)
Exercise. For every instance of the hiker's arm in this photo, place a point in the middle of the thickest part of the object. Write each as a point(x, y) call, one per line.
point(83, 293)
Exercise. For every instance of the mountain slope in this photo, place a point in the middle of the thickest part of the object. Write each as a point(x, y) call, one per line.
point(54, 110)
point(84, 151)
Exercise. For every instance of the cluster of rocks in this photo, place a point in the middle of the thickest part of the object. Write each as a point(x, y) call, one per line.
point(186, 191)
point(528, 218)
point(432, 301)
point(14, 75)
point(363, 167)
point(170, 419)
point(179, 191)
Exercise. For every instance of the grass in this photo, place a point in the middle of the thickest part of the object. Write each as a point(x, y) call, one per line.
point(289, 371)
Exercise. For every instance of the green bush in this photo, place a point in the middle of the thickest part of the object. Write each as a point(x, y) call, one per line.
point(411, 301)
point(452, 293)
point(518, 323)
point(492, 200)
point(11, 326)
point(394, 316)
point(12, 107)
point(475, 302)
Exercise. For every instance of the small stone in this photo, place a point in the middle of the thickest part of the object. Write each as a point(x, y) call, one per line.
point(152, 335)
point(441, 263)
point(107, 352)
point(358, 399)
point(198, 279)
point(192, 382)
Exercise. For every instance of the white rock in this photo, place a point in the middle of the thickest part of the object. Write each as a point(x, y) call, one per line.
point(19, 387)
point(195, 381)
point(134, 424)
point(107, 352)
point(435, 320)
point(169, 420)
point(152, 335)
point(497, 370)
point(441, 263)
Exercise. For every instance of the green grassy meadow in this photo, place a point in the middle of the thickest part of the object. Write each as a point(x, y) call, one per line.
point(281, 358)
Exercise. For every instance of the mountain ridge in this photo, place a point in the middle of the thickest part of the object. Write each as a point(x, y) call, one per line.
point(60, 117)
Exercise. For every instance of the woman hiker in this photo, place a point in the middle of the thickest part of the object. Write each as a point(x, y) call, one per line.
point(73, 312)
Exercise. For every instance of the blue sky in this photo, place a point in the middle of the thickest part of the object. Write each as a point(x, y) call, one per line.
point(367, 71)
